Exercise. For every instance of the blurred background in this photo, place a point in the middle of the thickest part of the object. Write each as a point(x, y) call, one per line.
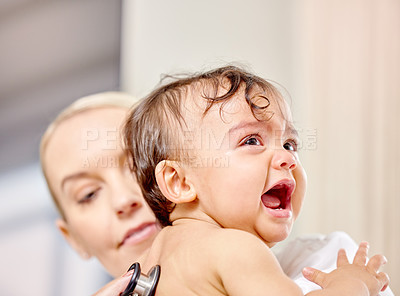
point(339, 61)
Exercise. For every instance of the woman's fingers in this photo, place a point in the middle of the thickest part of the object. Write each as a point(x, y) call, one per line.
point(362, 253)
point(115, 287)
point(342, 258)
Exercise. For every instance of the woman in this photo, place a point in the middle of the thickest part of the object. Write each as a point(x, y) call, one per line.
point(102, 210)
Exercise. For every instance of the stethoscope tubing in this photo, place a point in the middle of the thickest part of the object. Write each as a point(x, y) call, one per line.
point(146, 285)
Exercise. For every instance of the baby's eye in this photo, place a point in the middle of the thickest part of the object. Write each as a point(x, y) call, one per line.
point(290, 145)
point(253, 140)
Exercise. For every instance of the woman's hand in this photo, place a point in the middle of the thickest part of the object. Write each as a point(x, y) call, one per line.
point(116, 286)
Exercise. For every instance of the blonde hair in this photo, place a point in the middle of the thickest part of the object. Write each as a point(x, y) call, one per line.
point(95, 101)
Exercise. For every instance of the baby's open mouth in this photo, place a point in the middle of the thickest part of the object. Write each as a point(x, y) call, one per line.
point(278, 197)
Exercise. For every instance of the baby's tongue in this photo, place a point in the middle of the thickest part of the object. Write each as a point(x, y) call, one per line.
point(270, 201)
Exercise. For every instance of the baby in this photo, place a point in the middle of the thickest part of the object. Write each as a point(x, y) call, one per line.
point(216, 157)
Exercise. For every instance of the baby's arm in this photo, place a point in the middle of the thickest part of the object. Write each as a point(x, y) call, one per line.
point(248, 267)
point(254, 270)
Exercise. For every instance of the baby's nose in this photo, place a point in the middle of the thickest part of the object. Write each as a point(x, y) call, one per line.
point(283, 159)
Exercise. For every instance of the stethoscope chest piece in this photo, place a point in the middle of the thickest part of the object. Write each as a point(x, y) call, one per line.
point(141, 284)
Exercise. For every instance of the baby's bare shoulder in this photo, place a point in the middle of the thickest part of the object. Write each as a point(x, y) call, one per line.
point(211, 242)
point(240, 237)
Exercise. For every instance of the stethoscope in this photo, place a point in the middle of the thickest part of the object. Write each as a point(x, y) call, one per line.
point(141, 284)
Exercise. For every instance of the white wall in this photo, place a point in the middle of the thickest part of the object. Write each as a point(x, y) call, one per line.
point(161, 37)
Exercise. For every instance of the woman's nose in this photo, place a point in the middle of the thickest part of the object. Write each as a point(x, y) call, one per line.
point(126, 206)
point(283, 159)
point(126, 198)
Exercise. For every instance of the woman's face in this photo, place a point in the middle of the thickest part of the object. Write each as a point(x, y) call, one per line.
point(105, 213)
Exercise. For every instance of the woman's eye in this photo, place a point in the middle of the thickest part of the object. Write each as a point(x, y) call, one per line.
point(252, 140)
point(290, 146)
point(88, 197)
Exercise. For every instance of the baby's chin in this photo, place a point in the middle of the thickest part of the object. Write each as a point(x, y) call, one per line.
point(271, 239)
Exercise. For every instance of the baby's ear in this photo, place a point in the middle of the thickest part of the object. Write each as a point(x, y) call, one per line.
point(171, 180)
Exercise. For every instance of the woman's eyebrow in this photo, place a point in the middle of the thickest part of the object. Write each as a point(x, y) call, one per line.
point(73, 177)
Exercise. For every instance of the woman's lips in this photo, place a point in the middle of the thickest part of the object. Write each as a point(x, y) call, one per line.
point(139, 234)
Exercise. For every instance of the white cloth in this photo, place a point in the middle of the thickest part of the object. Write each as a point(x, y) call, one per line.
point(317, 251)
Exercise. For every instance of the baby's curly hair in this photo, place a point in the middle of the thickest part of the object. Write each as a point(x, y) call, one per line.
point(153, 131)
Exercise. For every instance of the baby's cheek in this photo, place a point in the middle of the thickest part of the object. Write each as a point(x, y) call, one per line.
point(301, 186)
point(300, 177)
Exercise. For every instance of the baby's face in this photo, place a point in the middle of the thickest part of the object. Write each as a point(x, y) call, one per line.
point(246, 172)
point(106, 216)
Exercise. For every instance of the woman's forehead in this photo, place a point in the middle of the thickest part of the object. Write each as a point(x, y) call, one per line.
point(101, 116)
point(83, 136)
